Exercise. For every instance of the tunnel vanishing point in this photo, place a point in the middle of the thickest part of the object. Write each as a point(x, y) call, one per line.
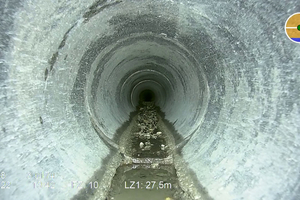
point(220, 79)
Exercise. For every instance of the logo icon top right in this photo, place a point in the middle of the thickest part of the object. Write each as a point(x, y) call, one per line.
point(292, 27)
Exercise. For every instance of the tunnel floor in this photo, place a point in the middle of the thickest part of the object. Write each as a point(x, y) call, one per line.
point(151, 173)
point(148, 140)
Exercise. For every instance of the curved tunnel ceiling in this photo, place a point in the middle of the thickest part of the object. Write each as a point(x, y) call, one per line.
point(223, 73)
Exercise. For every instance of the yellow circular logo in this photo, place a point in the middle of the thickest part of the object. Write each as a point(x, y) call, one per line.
point(292, 27)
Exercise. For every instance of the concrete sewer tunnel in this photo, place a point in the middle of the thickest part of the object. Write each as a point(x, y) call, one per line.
point(223, 74)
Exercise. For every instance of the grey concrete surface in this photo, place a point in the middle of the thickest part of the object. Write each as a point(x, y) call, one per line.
point(224, 73)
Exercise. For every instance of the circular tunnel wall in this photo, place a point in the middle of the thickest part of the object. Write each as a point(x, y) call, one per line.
point(145, 62)
point(223, 73)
